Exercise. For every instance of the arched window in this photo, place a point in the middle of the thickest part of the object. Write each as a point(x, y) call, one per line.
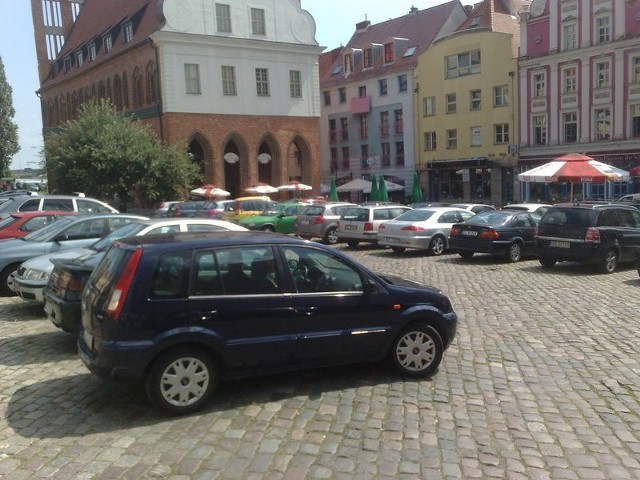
point(138, 89)
point(117, 93)
point(125, 91)
point(152, 83)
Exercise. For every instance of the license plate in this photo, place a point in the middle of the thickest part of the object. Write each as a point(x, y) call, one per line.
point(304, 222)
point(556, 244)
point(471, 233)
point(390, 239)
point(350, 227)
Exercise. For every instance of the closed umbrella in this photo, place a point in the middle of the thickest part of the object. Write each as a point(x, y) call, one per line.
point(416, 194)
point(333, 192)
point(383, 195)
point(375, 193)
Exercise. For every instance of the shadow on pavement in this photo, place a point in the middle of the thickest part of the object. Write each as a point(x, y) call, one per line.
point(37, 348)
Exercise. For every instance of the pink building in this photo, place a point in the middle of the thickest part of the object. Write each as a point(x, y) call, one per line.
point(579, 74)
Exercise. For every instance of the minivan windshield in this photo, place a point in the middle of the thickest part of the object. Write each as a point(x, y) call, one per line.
point(47, 232)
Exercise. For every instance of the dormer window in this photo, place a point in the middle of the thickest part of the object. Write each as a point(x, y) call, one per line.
point(475, 21)
point(389, 54)
point(367, 58)
point(410, 51)
point(348, 63)
point(127, 32)
point(108, 43)
point(67, 64)
point(92, 51)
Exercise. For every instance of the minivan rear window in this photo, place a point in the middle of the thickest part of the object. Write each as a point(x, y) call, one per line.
point(356, 214)
point(571, 217)
point(111, 266)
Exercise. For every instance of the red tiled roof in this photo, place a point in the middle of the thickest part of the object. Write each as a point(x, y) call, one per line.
point(420, 28)
point(494, 16)
point(99, 17)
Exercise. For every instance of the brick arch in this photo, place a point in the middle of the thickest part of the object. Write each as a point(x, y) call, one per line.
point(236, 176)
point(298, 159)
point(137, 85)
point(201, 150)
point(117, 93)
point(268, 173)
point(151, 83)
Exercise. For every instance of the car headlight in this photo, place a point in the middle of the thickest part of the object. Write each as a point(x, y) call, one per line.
point(31, 274)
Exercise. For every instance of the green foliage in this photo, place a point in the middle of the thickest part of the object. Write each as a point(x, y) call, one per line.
point(8, 129)
point(103, 154)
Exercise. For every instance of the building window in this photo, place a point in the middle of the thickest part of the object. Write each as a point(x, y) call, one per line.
point(342, 94)
point(388, 53)
point(384, 124)
point(602, 74)
point(569, 79)
point(334, 160)
point(500, 96)
point(66, 64)
point(327, 98)
point(345, 158)
point(540, 130)
point(344, 128)
point(430, 141)
point(400, 154)
point(79, 59)
point(385, 151)
point(570, 127)
point(127, 34)
point(452, 138)
point(476, 136)
point(539, 85)
point(295, 83)
point(463, 64)
point(107, 41)
point(92, 51)
point(382, 86)
point(262, 82)
point(258, 25)
point(367, 58)
point(501, 135)
point(362, 91)
point(602, 123)
point(603, 29)
point(333, 133)
point(428, 106)
point(229, 80)
point(399, 122)
point(192, 78)
point(364, 156)
point(476, 96)
point(364, 127)
point(635, 121)
point(451, 103)
point(223, 17)
point(402, 83)
point(569, 36)
point(348, 63)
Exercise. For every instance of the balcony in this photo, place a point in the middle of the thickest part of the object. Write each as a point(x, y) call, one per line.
point(360, 105)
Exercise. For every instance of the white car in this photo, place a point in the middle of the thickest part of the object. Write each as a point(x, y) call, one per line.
point(421, 228)
point(32, 275)
point(538, 208)
point(473, 207)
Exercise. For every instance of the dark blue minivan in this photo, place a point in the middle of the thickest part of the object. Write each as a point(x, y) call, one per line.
point(180, 312)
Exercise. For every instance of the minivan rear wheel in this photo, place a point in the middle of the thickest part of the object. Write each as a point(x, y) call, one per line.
point(331, 237)
point(181, 381)
point(610, 262)
point(417, 351)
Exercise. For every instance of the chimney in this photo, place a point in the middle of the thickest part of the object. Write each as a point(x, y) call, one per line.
point(362, 25)
point(413, 9)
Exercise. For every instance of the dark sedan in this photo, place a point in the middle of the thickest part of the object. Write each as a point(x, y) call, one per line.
point(503, 232)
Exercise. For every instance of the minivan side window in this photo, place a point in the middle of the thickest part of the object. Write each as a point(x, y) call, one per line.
point(30, 205)
point(87, 206)
point(171, 276)
point(629, 218)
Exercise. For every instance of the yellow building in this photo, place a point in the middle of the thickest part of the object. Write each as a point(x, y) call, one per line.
point(467, 110)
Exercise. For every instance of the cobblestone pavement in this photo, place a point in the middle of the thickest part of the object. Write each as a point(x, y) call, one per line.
point(542, 382)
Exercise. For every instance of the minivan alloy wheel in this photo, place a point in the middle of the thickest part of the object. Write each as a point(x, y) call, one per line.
point(610, 261)
point(417, 351)
point(331, 237)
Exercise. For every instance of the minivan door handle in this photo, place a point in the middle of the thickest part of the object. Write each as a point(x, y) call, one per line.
point(307, 310)
point(206, 316)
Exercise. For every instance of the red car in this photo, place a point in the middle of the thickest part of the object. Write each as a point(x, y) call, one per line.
point(19, 224)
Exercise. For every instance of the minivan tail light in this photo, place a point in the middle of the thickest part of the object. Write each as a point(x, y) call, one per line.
point(123, 285)
point(319, 220)
point(368, 227)
point(593, 235)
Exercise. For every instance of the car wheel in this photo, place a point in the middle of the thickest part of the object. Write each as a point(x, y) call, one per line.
point(610, 262)
point(466, 255)
point(514, 253)
point(268, 228)
point(547, 262)
point(353, 243)
point(6, 280)
point(417, 351)
point(398, 249)
point(331, 236)
point(182, 380)
point(438, 245)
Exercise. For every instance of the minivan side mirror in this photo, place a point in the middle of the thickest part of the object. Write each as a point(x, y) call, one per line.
point(369, 286)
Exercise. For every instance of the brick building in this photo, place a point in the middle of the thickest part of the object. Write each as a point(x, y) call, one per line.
point(237, 83)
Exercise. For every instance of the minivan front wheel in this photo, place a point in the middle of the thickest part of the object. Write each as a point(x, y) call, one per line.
point(417, 351)
point(610, 262)
point(182, 380)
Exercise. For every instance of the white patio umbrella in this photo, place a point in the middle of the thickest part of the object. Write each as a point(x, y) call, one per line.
point(295, 186)
point(359, 184)
point(261, 188)
point(208, 191)
point(391, 187)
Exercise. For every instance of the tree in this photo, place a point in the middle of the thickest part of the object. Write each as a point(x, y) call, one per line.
point(107, 154)
point(8, 129)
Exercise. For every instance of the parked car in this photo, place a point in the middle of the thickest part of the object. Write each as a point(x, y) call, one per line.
point(63, 234)
point(188, 209)
point(321, 221)
point(474, 207)
point(429, 204)
point(19, 224)
point(162, 209)
point(360, 223)
point(16, 193)
point(537, 208)
point(213, 209)
point(281, 218)
point(632, 199)
point(242, 304)
point(601, 234)
point(58, 279)
point(498, 232)
point(244, 207)
point(30, 203)
point(421, 228)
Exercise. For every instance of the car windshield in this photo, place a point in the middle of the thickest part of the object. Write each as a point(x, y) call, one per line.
point(490, 218)
point(11, 202)
point(129, 230)
point(47, 232)
point(273, 209)
point(418, 215)
point(8, 221)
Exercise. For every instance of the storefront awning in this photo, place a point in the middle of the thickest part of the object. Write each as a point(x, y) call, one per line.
point(458, 163)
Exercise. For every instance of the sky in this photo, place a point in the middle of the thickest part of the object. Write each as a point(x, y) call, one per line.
point(335, 24)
